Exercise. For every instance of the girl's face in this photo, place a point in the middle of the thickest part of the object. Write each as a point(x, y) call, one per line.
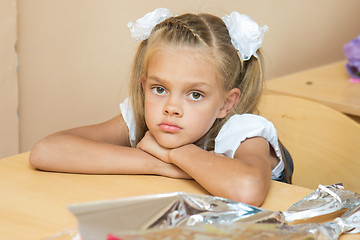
point(183, 96)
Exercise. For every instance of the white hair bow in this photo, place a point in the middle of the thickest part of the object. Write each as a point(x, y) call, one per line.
point(246, 35)
point(141, 29)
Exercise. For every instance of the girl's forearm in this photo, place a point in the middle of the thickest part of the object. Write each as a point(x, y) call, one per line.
point(222, 176)
point(70, 153)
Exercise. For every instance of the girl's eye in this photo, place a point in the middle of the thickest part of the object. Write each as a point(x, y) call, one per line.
point(196, 96)
point(159, 90)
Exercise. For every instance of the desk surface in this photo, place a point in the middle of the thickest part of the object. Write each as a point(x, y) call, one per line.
point(33, 203)
point(328, 84)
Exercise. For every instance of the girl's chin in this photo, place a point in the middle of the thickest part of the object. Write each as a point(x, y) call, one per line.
point(171, 141)
point(170, 144)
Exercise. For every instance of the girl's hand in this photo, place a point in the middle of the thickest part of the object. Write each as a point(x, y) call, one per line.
point(172, 171)
point(149, 145)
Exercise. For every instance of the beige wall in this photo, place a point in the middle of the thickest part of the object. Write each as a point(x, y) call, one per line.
point(9, 125)
point(74, 55)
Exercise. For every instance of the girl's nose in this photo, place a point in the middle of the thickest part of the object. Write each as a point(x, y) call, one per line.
point(173, 108)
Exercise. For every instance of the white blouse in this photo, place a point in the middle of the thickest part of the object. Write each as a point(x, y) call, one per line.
point(238, 128)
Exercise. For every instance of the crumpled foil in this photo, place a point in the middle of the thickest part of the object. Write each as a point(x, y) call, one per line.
point(322, 201)
point(348, 222)
point(182, 214)
point(160, 211)
point(264, 231)
point(192, 209)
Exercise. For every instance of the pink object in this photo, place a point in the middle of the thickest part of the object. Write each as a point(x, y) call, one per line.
point(354, 80)
point(111, 237)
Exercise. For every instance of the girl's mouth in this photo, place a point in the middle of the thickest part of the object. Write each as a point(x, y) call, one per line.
point(168, 127)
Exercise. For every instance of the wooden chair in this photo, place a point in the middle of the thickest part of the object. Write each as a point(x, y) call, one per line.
point(324, 143)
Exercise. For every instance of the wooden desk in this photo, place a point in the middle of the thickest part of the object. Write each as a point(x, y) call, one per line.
point(328, 84)
point(33, 203)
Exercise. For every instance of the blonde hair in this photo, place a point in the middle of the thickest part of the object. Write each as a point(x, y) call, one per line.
point(199, 31)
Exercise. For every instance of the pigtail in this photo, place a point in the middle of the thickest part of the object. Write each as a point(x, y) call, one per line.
point(250, 83)
point(137, 93)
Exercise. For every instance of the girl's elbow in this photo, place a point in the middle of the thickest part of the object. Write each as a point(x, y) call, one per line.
point(253, 198)
point(37, 158)
point(249, 191)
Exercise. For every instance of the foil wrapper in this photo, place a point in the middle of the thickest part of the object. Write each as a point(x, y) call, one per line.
point(190, 210)
point(348, 222)
point(150, 217)
point(264, 231)
point(322, 201)
point(161, 211)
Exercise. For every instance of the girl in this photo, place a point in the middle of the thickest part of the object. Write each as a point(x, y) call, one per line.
point(196, 80)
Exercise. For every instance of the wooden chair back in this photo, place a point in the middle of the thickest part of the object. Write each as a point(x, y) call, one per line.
point(324, 143)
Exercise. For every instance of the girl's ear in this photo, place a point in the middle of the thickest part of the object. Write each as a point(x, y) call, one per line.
point(232, 98)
